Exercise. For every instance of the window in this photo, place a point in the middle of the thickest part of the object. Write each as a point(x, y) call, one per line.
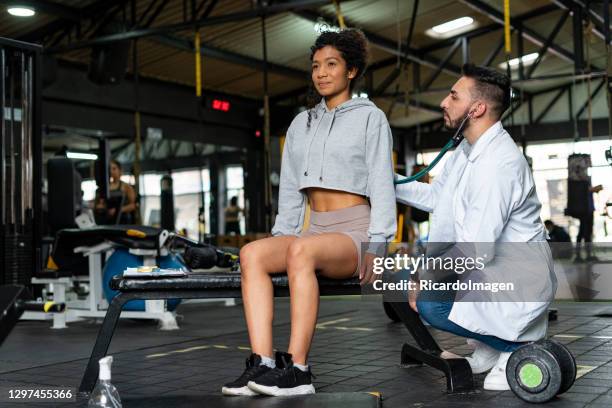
point(89, 188)
point(550, 178)
point(187, 188)
point(150, 206)
point(234, 187)
point(205, 182)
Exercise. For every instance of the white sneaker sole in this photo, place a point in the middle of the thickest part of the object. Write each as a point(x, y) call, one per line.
point(278, 392)
point(242, 391)
point(496, 387)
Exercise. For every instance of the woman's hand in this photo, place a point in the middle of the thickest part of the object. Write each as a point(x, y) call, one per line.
point(366, 273)
point(112, 212)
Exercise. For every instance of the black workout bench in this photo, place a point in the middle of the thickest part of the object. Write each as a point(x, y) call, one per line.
point(227, 284)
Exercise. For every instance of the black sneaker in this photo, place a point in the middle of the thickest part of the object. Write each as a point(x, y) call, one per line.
point(253, 369)
point(285, 379)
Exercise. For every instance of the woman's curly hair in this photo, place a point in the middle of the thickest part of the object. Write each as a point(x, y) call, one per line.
point(352, 45)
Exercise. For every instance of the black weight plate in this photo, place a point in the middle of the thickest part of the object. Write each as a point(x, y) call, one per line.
point(566, 362)
point(534, 357)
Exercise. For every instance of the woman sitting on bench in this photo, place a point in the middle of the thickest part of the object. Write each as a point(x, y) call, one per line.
point(337, 154)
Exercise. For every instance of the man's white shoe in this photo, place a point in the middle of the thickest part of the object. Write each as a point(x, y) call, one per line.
point(483, 358)
point(496, 379)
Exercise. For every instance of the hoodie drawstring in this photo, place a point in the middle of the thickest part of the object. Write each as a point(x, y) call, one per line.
point(331, 123)
point(310, 145)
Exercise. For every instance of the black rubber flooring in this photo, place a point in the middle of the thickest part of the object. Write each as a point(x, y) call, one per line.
point(356, 350)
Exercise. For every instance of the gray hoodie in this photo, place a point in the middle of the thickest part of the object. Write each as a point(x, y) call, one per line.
point(348, 148)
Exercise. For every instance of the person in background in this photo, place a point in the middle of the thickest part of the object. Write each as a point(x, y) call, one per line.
point(556, 233)
point(232, 217)
point(559, 240)
point(120, 207)
point(585, 232)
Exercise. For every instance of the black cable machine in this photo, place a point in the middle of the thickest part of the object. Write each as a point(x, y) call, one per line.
point(20, 161)
point(20, 180)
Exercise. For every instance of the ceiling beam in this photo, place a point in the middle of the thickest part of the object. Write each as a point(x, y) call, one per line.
point(389, 46)
point(526, 32)
point(213, 52)
point(598, 21)
point(541, 132)
point(75, 14)
point(477, 32)
point(256, 12)
point(68, 15)
point(53, 9)
point(549, 40)
point(550, 104)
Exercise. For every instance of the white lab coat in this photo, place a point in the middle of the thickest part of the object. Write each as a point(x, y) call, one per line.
point(486, 194)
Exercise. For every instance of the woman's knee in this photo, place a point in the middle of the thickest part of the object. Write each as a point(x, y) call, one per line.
point(298, 255)
point(250, 256)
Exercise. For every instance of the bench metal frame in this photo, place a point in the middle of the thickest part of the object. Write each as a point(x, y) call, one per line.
point(458, 373)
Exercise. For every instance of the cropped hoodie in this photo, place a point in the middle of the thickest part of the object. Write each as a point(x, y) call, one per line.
point(348, 148)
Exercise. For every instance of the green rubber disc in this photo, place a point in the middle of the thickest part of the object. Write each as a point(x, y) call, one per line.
point(531, 375)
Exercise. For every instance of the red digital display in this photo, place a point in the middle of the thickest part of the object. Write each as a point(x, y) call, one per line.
point(257, 133)
point(218, 104)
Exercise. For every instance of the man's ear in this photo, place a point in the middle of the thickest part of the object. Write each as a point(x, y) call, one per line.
point(480, 110)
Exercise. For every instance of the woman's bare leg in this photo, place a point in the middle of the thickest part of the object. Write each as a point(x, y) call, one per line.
point(335, 256)
point(258, 260)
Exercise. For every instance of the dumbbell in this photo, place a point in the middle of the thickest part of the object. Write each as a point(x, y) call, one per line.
point(538, 371)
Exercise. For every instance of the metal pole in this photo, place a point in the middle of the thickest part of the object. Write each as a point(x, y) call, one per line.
point(37, 161)
point(268, 187)
point(3, 195)
point(137, 130)
point(11, 138)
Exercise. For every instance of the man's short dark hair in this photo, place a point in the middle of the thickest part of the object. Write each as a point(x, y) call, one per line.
point(548, 223)
point(491, 85)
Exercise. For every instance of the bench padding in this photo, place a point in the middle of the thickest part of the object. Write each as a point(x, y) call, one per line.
point(219, 280)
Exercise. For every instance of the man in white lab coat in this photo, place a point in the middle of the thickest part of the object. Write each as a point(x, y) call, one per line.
point(486, 195)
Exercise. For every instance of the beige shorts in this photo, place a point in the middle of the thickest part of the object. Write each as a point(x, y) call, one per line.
point(352, 221)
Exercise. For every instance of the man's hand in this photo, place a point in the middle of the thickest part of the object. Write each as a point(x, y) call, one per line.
point(366, 274)
point(597, 188)
point(112, 212)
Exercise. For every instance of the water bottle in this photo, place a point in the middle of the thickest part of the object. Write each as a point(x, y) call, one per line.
point(105, 394)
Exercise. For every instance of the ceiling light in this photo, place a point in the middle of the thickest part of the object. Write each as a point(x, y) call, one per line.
point(21, 11)
point(452, 25)
point(527, 60)
point(82, 156)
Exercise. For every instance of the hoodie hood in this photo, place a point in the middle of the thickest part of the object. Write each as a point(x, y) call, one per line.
point(344, 107)
point(326, 119)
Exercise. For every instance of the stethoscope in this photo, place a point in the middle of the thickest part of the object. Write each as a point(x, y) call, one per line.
point(453, 142)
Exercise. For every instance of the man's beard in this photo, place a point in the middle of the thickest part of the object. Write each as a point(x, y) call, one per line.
point(454, 124)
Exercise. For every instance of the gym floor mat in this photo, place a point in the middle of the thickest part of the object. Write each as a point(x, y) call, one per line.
point(335, 400)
